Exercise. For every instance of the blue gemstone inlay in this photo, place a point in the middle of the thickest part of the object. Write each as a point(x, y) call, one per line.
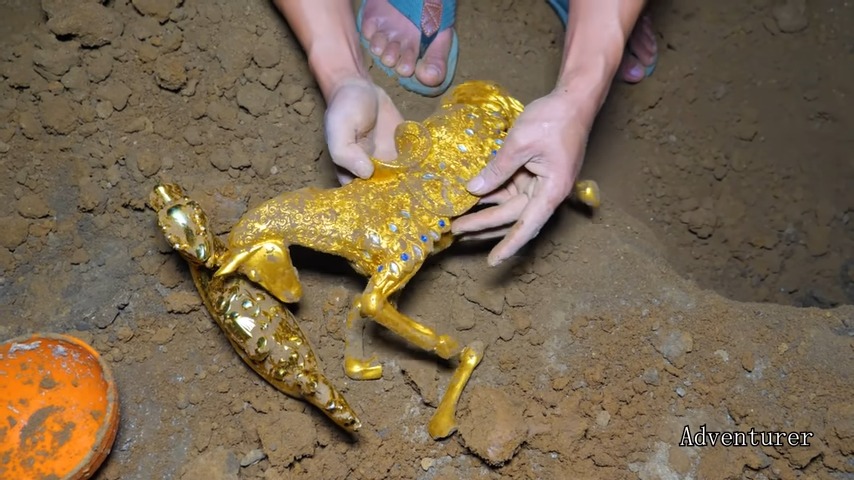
point(380, 268)
point(423, 238)
point(499, 142)
point(442, 223)
point(392, 227)
point(494, 152)
point(404, 256)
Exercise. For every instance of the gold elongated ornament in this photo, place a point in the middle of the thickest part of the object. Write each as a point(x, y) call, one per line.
point(385, 226)
point(262, 330)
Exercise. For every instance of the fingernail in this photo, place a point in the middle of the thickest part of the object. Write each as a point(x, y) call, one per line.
point(494, 262)
point(636, 71)
point(475, 185)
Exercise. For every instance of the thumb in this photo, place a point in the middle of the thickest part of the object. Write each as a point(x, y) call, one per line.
point(506, 162)
point(352, 158)
point(344, 150)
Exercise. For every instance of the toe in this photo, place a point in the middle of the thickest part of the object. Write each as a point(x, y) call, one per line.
point(432, 67)
point(378, 42)
point(631, 70)
point(408, 58)
point(391, 54)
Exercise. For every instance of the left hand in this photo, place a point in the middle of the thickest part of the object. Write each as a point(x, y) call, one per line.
point(541, 158)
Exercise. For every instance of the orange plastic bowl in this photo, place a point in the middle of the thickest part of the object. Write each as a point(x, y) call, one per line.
point(59, 408)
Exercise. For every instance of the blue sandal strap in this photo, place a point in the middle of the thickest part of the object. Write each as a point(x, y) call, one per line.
point(412, 9)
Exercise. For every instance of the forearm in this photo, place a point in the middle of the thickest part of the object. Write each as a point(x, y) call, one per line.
point(327, 32)
point(593, 48)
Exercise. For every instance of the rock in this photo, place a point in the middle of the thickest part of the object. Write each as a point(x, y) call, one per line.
point(30, 125)
point(139, 124)
point(234, 52)
point(492, 407)
point(651, 377)
point(55, 62)
point(163, 335)
point(220, 160)
point(99, 66)
point(491, 299)
point(292, 93)
point(91, 196)
point(77, 83)
point(791, 16)
point(270, 78)
point(18, 73)
point(170, 72)
point(701, 222)
point(252, 457)
point(215, 464)
point(33, 206)
point(515, 297)
point(254, 98)
point(117, 93)
point(304, 107)
point(262, 163)
point(147, 162)
point(266, 53)
point(223, 114)
point(239, 158)
point(193, 136)
point(159, 9)
point(287, 438)
point(674, 345)
point(603, 418)
point(182, 301)
point(58, 115)
point(464, 320)
point(14, 232)
point(143, 28)
point(423, 379)
point(91, 23)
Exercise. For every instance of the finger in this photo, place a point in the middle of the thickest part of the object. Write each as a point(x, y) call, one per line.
point(499, 196)
point(491, 217)
point(536, 213)
point(484, 235)
point(505, 163)
point(344, 176)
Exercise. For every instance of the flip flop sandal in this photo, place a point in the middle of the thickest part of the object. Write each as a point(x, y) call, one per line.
point(561, 7)
point(426, 19)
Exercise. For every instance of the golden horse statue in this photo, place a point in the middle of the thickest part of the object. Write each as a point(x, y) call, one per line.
point(386, 227)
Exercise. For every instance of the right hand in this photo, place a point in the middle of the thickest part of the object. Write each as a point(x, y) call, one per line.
point(360, 122)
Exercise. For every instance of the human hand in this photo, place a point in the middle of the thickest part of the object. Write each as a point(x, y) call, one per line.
point(359, 123)
point(532, 173)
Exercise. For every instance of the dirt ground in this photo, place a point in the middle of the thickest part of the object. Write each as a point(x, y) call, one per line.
point(713, 287)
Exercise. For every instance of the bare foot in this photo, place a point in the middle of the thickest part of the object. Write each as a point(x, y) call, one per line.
point(396, 41)
point(642, 51)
